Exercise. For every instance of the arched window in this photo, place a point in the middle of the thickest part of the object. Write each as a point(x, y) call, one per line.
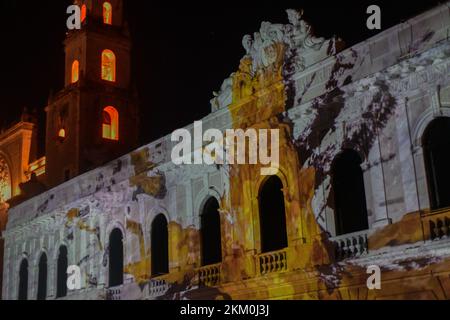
point(42, 278)
point(62, 133)
point(61, 273)
point(75, 71)
point(107, 13)
point(108, 66)
point(160, 246)
point(115, 258)
point(272, 216)
point(436, 147)
point(349, 193)
point(211, 234)
point(83, 12)
point(23, 280)
point(5, 181)
point(110, 126)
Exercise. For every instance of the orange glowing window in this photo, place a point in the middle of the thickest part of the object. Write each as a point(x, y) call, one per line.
point(83, 12)
point(75, 71)
point(62, 133)
point(110, 128)
point(108, 66)
point(107, 13)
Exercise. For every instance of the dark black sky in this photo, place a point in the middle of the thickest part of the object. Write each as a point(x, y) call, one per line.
point(181, 54)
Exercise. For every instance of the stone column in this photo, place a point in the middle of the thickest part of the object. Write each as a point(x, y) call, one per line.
point(379, 206)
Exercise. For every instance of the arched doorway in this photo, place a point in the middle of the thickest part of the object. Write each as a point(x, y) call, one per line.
point(436, 147)
point(272, 216)
point(42, 278)
point(211, 234)
point(160, 246)
point(116, 258)
point(350, 204)
point(23, 280)
point(61, 273)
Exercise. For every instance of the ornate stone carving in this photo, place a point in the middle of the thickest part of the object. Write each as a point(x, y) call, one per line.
point(268, 52)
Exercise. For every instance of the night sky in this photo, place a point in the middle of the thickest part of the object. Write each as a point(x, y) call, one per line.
point(181, 53)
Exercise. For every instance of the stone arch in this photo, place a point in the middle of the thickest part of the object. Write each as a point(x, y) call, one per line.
point(350, 203)
point(273, 229)
point(256, 205)
point(211, 232)
point(61, 262)
point(202, 198)
point(423, 122)
point(436, 156)
point(42, 276)
point(159, 244)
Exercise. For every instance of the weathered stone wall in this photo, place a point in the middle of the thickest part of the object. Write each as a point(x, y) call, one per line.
point(376, 98)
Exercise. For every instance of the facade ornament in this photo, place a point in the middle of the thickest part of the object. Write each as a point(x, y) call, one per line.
point(268, 50)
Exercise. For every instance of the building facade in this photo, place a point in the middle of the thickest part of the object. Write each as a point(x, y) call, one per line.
point(363, 180)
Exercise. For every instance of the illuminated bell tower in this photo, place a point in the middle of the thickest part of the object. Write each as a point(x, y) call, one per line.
point(94, 119)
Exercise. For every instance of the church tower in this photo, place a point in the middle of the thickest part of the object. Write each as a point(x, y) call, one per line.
point(94, 119)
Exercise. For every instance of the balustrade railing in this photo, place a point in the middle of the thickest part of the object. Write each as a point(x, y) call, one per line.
point(209, 276)
point(351, 245)
point(436, 225)
point(114, 293)
point(272, 262)
point(157, 288)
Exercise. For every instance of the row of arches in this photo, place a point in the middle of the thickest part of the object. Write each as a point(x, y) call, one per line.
point(349, 203)
point(61, 276)
point(108, 67)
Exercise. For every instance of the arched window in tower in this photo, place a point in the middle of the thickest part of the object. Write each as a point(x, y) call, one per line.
point(83, 12)
point(160, 246)
point(61, 273)
point(75, 71)
point(115, 258)
point(107, 13)
point(436, 147)
point(42, 278)
point(5, 181)
point(108, 66)
point(272, 216)
point(211, 235)
point(110, 126)
point(23, 280)
point(350, 205)
point(62, 134)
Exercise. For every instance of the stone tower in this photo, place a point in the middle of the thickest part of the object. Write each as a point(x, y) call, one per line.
point(94, 119)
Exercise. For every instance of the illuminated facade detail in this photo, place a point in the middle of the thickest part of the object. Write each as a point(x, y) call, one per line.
point(83, 12)
point(5, 181)
point(110, 126)
point(75, 71)
point(107, 13)
point(298, 83)
point(108, 66)
point(37, 167)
